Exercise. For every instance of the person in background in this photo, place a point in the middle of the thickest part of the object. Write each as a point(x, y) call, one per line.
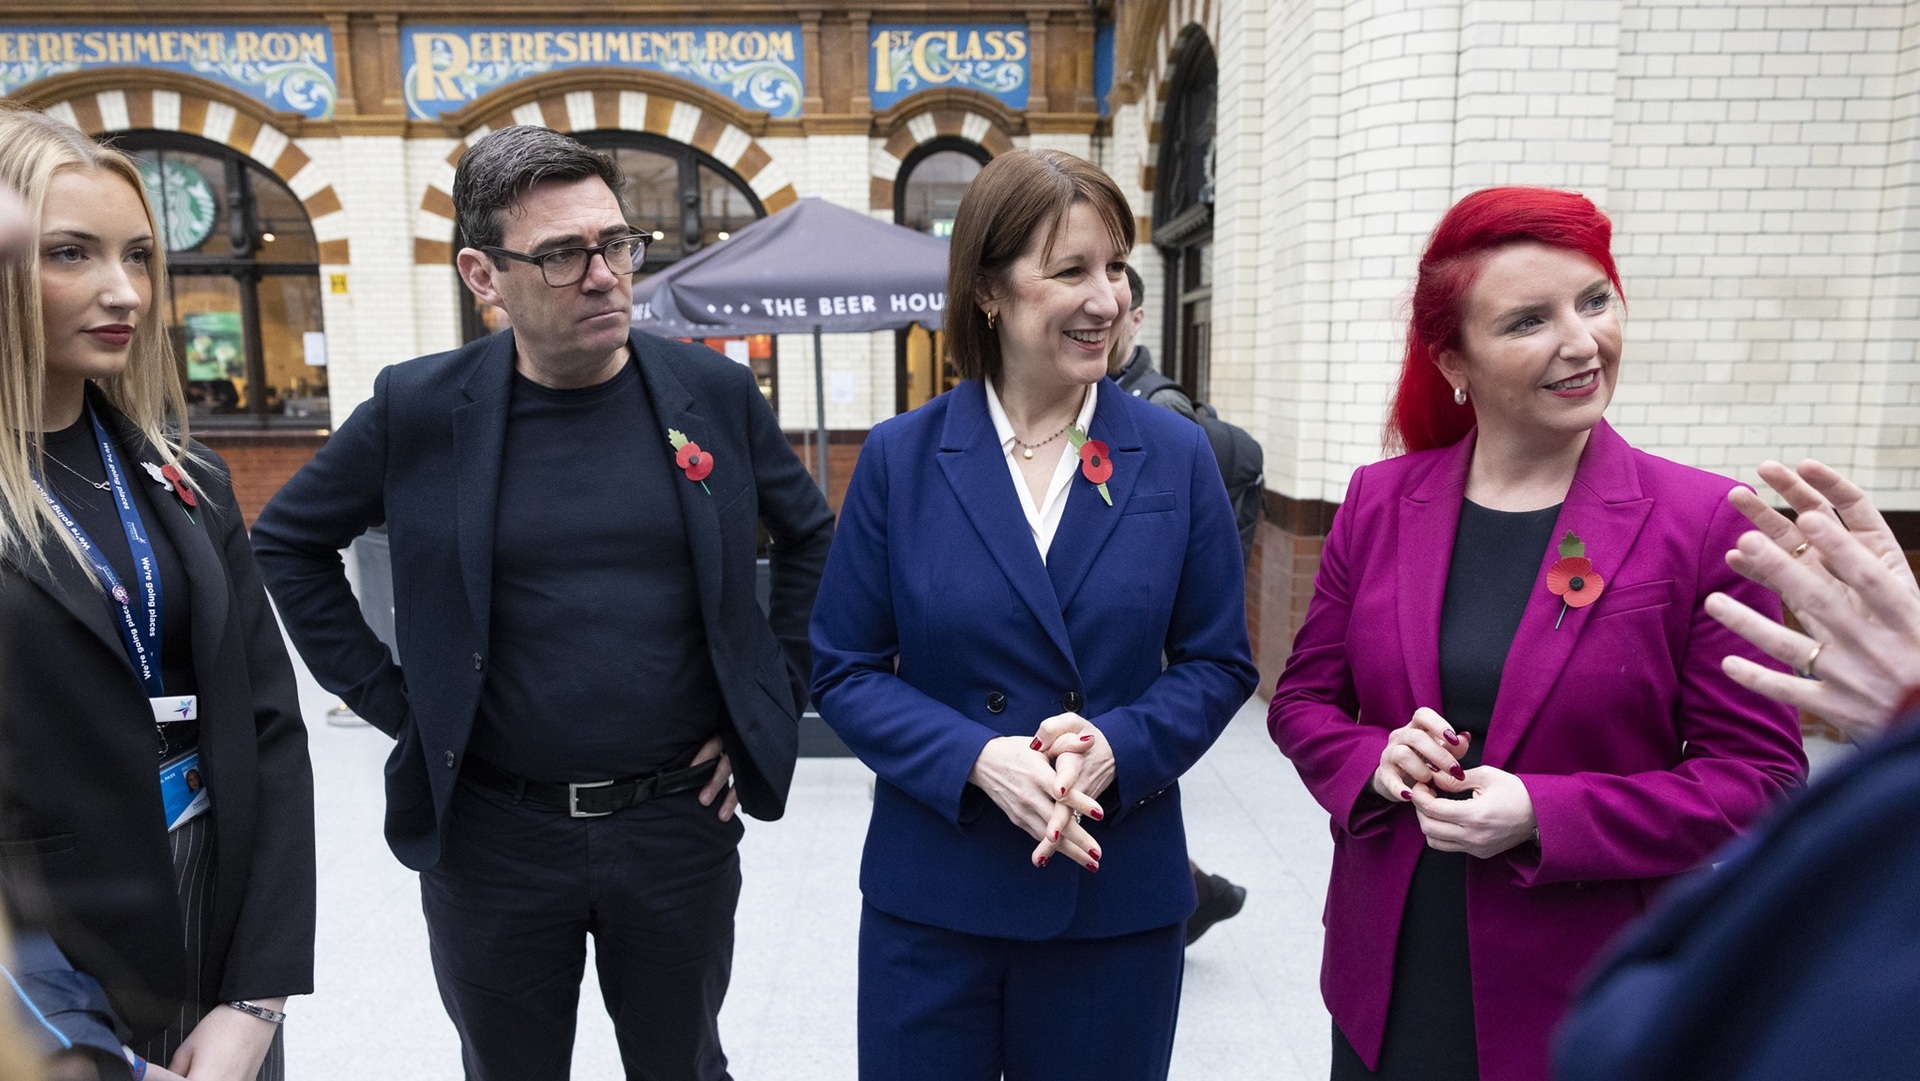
point(573, 509)
point(1131, 366)
point(1506, 693)
point(136, 644)
point(1025, 876)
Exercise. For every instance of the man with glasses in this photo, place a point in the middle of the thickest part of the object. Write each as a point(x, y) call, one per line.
point(573, 510)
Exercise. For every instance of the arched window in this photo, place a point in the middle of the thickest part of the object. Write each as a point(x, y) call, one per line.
point(1183, 216)
point(683, 200)
point(243, 296)
point(932, 180)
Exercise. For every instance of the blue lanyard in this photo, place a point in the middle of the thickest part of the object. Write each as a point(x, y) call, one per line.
point(140, 631)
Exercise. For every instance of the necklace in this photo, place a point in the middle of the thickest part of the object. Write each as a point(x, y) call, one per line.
point(1027, 449)
point(100, 484)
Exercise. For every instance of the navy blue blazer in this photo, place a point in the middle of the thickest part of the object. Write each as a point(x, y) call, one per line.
point(1799, 957)
point(939, 629)
point(423, 455)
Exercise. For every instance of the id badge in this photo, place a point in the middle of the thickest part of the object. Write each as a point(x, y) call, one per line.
point(183, 789)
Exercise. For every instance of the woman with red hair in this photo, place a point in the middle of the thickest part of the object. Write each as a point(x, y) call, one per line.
point(1506, 692)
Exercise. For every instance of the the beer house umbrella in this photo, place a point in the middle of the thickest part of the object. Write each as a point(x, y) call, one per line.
point(813, 266)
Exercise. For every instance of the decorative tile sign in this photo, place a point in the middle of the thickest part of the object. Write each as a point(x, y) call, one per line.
point(909, 59)
point(445, 67)
point(290, 68)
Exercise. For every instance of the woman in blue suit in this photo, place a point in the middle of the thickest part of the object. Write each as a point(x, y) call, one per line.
point(1032, 622)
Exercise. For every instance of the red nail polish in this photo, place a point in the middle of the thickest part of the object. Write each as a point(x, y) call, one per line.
point(1036, 743)
point(1093, 868)
point(1056, 835)
point(1063, 790)
point(1458, 773)
point(1095, 814)
point(1094, 852)
point(1452, 737)
point(1406, 795)
point(1086, 739)
point(1043, 861)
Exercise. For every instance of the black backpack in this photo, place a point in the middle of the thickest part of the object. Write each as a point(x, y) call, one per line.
point(1242, 467)
point(1242, 462)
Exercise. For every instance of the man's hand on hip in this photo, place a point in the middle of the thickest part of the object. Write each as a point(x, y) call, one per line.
point(722, 773)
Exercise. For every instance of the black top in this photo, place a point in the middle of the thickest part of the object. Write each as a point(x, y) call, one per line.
point(599, 666)
point(72, 450)
point(1496, 561)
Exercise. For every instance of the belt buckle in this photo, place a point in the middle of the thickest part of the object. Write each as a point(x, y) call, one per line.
point(573, 799)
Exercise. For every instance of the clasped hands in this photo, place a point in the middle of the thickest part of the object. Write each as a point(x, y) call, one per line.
point(1042, 784)
point(1422, 760)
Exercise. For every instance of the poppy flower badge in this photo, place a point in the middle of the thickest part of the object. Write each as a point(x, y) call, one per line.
point(168, 477)
point(1095, 463)
point(1572, 578)
point(693, 461)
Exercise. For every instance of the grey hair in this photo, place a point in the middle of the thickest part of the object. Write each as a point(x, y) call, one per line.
point(499, 170)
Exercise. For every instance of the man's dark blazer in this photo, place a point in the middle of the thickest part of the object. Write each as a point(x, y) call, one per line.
point(80, 816)
point(1799, 957)
point(423, 455)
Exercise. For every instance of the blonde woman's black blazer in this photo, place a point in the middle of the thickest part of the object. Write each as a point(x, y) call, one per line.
point(83, 843)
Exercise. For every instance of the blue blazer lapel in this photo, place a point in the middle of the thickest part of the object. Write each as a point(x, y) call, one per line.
point(479, 443)
point(1088, 521)
point(1429, 521)
point(976, 468)
point(673, 407)
point(1606, 508)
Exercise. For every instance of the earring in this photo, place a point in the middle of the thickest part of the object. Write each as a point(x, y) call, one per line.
point(990, 318)
point(1459, 395)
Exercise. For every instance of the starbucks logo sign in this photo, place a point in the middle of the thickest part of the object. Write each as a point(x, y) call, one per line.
point(184, 200)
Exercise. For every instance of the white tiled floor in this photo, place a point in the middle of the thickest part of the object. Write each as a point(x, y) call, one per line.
point(1251, 1008)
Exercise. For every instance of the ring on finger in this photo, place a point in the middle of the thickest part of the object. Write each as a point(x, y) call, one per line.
point(1807, 669)
point(1802, 549)
point(1076, 818)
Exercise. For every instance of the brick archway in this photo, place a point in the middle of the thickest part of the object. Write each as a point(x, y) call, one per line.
point(1189, 22)
point(962, 114)
point(585, 101)
point(102, 103)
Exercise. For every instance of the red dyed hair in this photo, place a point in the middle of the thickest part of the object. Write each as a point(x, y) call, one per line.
point(1424, 415)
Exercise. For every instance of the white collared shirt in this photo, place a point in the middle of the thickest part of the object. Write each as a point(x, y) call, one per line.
point(1043, 519)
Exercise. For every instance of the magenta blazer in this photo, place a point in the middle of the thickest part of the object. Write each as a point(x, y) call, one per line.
point(1640, 756)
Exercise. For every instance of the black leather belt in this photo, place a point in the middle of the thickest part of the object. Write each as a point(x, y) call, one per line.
point(589, 799)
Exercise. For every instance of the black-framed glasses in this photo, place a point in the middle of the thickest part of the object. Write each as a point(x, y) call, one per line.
point(566, 266)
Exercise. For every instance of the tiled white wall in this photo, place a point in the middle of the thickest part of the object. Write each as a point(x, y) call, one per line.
point(1759, 158)
point(1758, 175)
point(370, 176)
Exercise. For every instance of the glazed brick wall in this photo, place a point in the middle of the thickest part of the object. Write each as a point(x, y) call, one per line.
point(260, 464)
point(1760, 160)
point(1279, 588)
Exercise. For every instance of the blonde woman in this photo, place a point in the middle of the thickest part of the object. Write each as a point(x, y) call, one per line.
point(137, 650)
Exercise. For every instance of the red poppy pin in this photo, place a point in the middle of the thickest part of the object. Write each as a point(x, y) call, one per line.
point(693, 461)
point(168, 476)
point(1573, 578)
point(1095, 463)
